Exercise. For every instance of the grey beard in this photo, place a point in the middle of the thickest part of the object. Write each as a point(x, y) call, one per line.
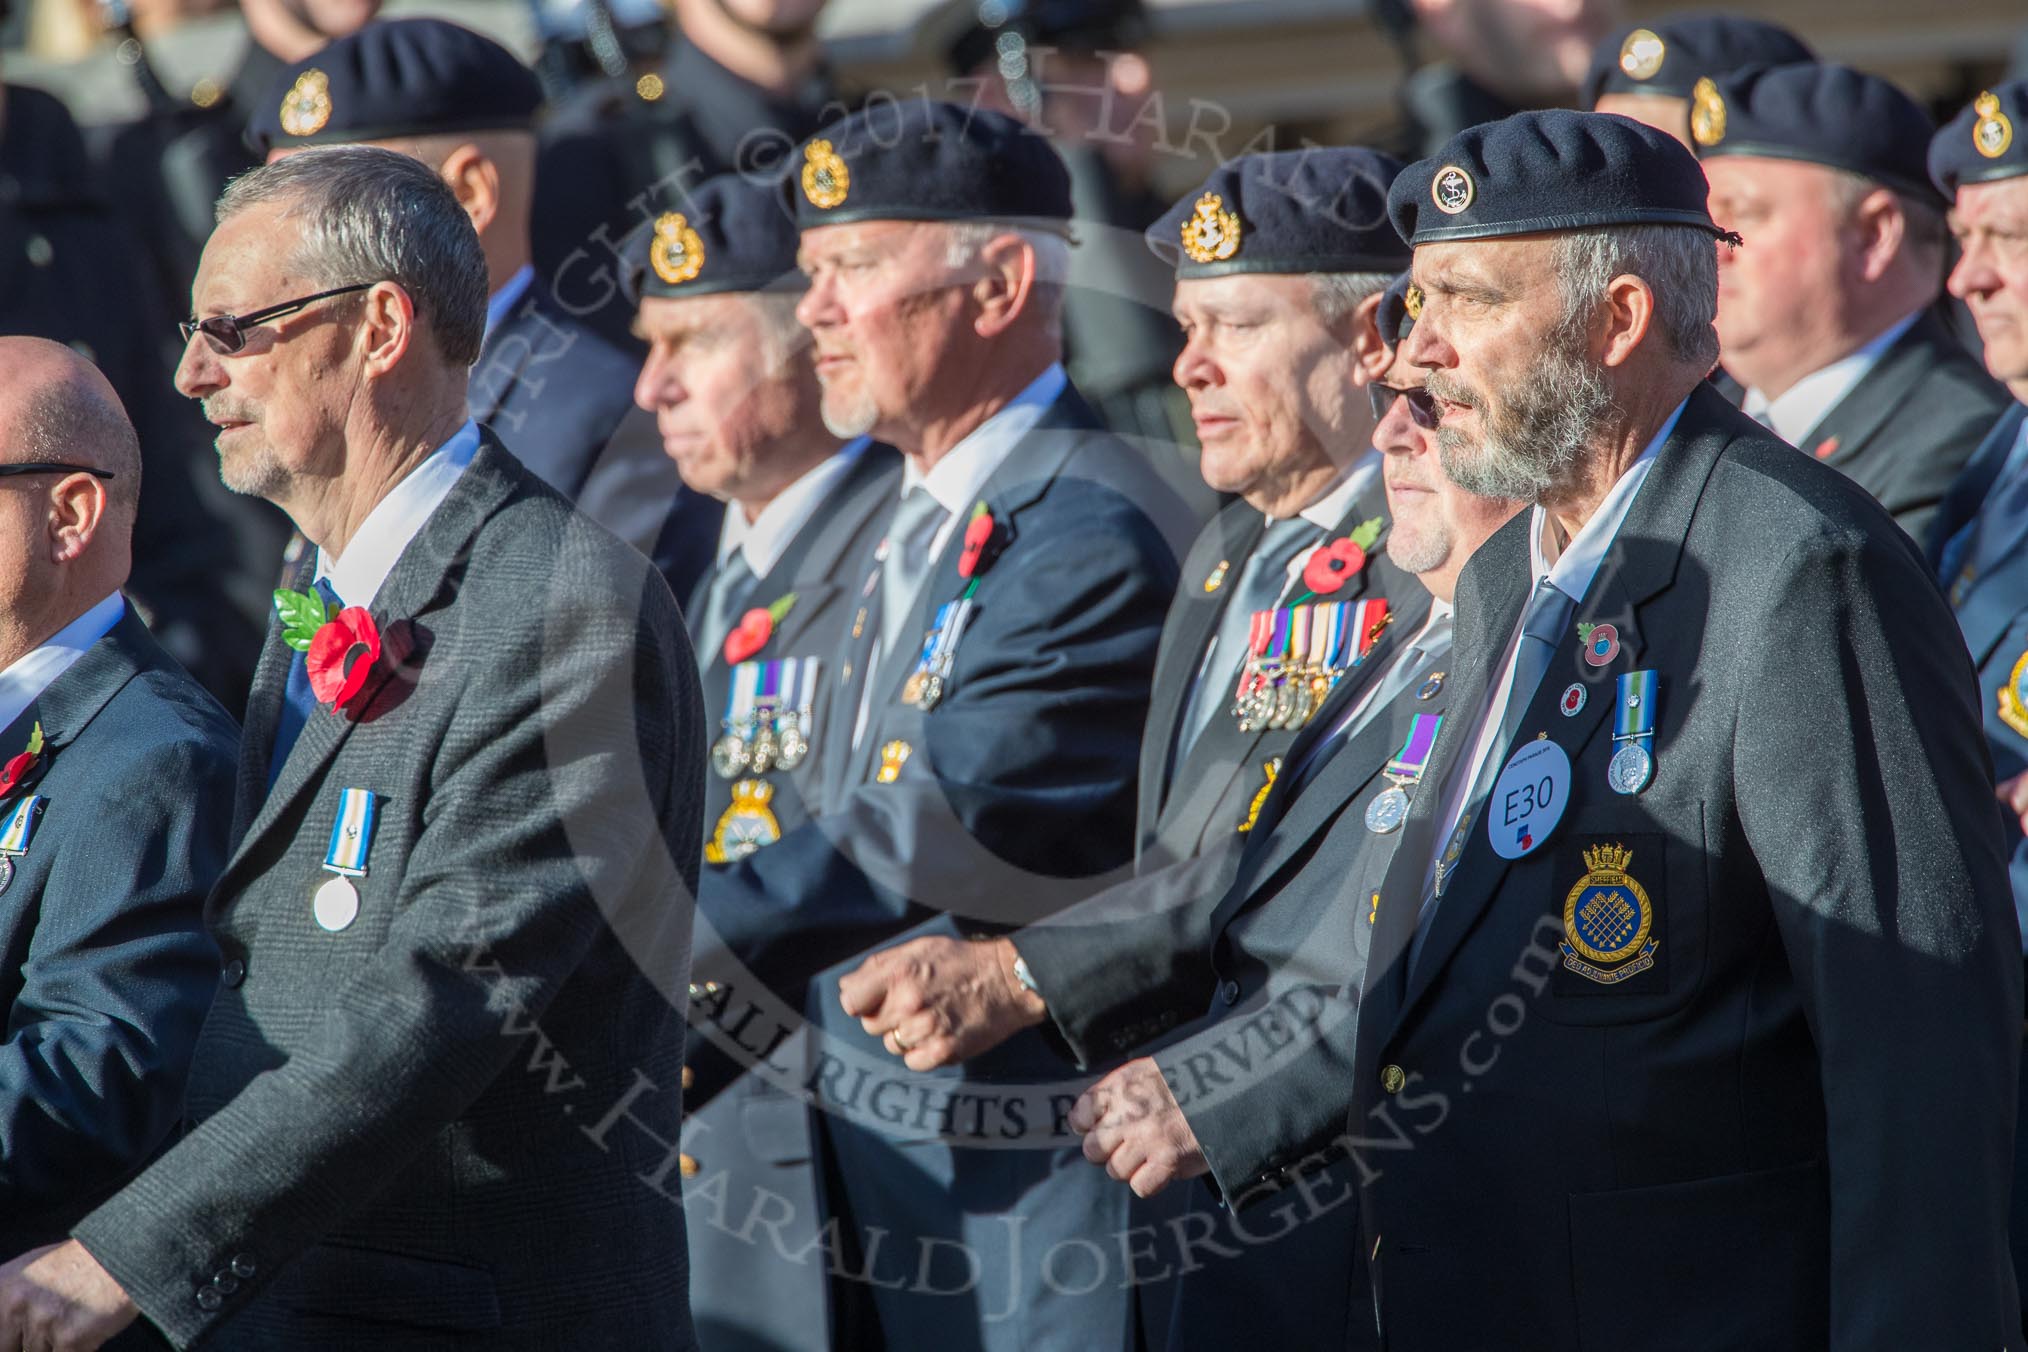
point(1537, 440)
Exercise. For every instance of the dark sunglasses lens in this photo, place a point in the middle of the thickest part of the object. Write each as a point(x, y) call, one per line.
point(1421, 408)
point(223, 332)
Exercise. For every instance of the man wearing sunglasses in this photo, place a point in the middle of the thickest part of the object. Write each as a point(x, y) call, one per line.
point(466, 829)
point(116, 778)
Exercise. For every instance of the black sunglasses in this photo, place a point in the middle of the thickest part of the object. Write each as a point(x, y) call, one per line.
point(227, 333)
point(1422, 409)
point(52, 467)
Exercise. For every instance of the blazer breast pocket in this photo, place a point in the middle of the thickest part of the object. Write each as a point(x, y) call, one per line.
point(1629, 882)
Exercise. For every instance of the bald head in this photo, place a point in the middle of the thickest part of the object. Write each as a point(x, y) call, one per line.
point(61, 407)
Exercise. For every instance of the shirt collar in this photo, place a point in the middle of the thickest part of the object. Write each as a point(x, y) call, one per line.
point(956, 479)
point(378, 543)
point(1330, 509)
point(1803, 405)
point(25, 678)
point(764, 539)
point(508, 296)
point(1574, 569)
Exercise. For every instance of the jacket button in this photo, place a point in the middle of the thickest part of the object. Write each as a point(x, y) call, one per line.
point(233, 974)
point(688, 1165)
point(1392, 1078)
point(243, 1266)
point(1229, 992)
point(210, 1299)
point(225, 1282)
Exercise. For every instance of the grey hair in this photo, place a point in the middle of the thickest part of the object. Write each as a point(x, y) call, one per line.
point(1337, 294)
point(1679, 264)
point(364, 214)
point(966, 240)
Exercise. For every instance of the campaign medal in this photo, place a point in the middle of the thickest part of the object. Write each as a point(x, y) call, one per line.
point(1292, 693)
point(732, 753)
point(1260, 630)
point(1633, 763)
point(746, 824)
point(22, 820)
point(1607, 918)
point(766, 745)
point(940, 652)
point(1327, 634)
point(797, 717)
point(336, 904)
point(1389, 809)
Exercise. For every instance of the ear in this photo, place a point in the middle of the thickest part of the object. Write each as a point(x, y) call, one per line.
point(1370, 356)
point(76, 507)
point(1005, 290)
point(1880, 225)
point(389, 328)
point(1629, 313)
point(475, 181)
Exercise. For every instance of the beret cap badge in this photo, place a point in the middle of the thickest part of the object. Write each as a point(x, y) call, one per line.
point(676, 251)
point(1452, 190)
point(1707, 113)
point(1642, 53)
point(826, 180)
point(1992, 133)
point(1211, 234)
point(1411, 301)
point(307, 105)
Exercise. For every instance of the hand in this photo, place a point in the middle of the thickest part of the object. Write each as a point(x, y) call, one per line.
point(1131, 1125)
point(59, 1298)
point(938, 1001)
point(2014, 793)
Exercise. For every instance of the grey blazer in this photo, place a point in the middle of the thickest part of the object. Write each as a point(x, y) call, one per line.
point(452, 1122)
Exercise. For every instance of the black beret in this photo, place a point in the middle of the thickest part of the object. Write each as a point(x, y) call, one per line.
point(395, 77)
point(1546, 171)
point(1670, 57)
point(1318, 210)
point(732, 235)
point(1400, 307)
point(1820, 114)
point(1979, 144)
point(921, 160)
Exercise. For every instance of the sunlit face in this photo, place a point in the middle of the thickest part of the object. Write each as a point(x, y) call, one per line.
point(1669, 113)
point(726, 390)
point(281, 402)
point(1268, 381)
point(1517, 387)
point(336, 18)
point(1419, 537)
point(884, 304)
point(1990, 222)
point(1778, 292)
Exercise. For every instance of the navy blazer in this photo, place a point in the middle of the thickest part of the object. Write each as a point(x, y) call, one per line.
point(107, 969)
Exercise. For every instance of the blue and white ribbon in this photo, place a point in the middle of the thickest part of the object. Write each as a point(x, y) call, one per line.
point(352, 833)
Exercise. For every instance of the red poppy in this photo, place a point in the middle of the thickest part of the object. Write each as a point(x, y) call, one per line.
point(749, 636)
point(15, 771)
point(1331, 566)
point(341, 656)
point(978, 531)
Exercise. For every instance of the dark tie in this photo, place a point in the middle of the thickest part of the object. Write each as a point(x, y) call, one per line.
point(727, 586)
point(298, 703)
point(1261, 582)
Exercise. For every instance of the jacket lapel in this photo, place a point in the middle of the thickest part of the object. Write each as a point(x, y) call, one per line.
point(1853, 420)
point(264, 702)
point(1968, 493)
point(73, 699)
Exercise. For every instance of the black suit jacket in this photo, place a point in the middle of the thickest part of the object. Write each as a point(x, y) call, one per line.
point(1758, 1142)
point(106, 970)
point(453, 1122)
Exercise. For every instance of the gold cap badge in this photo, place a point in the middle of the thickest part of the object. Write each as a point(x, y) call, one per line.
point(1992, 133)
point(1211, 235)
point(1452, 190)
point(307, 105)
point(676, 252)
point(1707, 113)
point(1411, 301)
point(1641, 54)
point(826, 180)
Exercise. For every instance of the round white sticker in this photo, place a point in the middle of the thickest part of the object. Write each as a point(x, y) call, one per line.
point(1528, 799)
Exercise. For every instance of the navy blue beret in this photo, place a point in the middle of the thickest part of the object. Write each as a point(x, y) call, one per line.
point(1318, 210)
point(1400, 307)
point(1546, 171)
point(731, 235)
point(395, 77)
point(920, 160)
point(1981, 143)
point(1821, 114)
point(1670, 56)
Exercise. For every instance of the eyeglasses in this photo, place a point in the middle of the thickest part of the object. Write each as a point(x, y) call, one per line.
point(1422, 409)
point(227, 333)
point(52, 467)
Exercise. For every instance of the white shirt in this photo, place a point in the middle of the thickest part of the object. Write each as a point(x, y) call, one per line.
point(956, 479)
point(508, 296)
point(1803, 405)
point(1330, 509)
point(1571, 574)
point(395, 520)
point(764, 538)
point(28, 675)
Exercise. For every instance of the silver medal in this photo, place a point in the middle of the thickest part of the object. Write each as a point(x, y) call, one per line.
point(1387, 811)
point(336, 904)
point(932, 691)
point(793, 744)
point(1631, 768)
point(729, 756)
point(762, 757)
point(6, 871)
